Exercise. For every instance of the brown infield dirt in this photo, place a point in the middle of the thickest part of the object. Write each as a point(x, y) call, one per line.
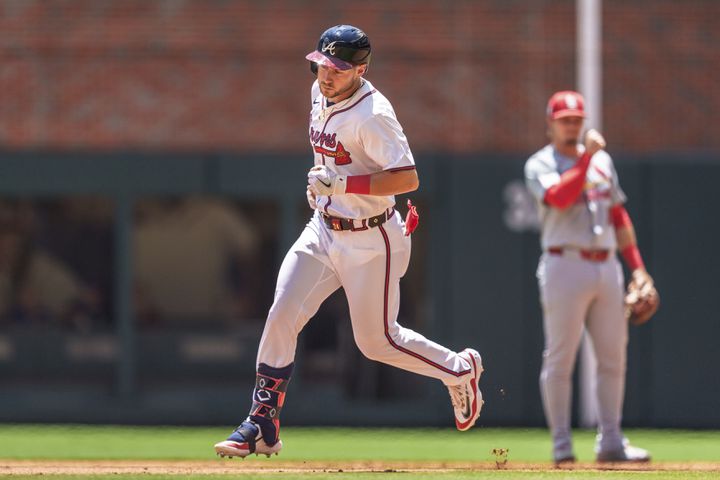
point(110, 467)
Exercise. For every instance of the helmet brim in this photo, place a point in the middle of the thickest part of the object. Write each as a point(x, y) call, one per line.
point(327, 61)
point(568, 112)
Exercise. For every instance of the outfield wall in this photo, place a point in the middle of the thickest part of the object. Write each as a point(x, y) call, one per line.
point(471, 282)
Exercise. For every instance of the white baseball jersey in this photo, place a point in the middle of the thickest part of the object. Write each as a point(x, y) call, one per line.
point(357, 136)
point(586, 224)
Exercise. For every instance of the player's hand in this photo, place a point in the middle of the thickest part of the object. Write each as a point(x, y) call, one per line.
point(642, 279)
point(323, 181)
point(594, 141)
point(312, 201)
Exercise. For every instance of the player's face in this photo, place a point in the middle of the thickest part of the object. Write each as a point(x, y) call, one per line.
point(337, 85)
point(566, 130)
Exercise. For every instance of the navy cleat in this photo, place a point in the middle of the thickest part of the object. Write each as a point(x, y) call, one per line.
point(246, 440)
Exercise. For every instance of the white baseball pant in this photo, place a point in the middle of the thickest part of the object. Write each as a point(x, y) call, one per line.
point(368, 264)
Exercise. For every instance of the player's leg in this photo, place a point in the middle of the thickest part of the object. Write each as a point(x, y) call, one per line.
point(608, 331)
point(304, 282)
point(370, 275)
point(566, 290)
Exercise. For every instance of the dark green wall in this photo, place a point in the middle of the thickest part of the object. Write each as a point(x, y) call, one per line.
point(481, 284)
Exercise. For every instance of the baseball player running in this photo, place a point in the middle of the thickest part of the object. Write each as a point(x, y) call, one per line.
point(581, 281)
point(355, 240)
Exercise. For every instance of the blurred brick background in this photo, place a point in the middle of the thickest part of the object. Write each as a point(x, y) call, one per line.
point(464, 76)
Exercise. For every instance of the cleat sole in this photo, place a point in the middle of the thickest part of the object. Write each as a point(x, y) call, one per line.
point(229, 449)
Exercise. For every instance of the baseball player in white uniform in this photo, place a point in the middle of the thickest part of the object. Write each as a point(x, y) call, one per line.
point(355, 240)
point(581, 281)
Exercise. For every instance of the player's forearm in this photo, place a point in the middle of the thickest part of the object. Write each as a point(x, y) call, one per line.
point(626, 238)
point(322, 181)
point(393, 183)
point(383, 183)
point(567, 191)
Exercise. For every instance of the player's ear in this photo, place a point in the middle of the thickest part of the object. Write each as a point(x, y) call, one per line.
point(361, 69)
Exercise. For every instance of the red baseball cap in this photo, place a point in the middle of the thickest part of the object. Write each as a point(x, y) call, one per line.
point(566, 104)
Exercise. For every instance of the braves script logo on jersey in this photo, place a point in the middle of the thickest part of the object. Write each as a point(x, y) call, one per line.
point(326, 144)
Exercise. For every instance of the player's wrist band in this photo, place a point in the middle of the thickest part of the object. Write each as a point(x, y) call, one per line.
point(632, 257)
point(358, 184)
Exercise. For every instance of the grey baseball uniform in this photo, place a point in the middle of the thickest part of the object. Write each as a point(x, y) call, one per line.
point(581, 287)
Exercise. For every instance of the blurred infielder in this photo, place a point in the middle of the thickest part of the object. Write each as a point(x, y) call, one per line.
point(355, 240)
point(581, 281)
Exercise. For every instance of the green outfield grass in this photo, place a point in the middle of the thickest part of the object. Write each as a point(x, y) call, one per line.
point(73, 442)
point(76, 442)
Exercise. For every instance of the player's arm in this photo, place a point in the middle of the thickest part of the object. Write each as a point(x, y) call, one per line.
point(568, 189)
point(389, 182)
point(324, 181)
point(627, 241)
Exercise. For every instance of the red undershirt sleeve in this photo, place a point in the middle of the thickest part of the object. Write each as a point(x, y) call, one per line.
point(631, 254)
point(567, 191)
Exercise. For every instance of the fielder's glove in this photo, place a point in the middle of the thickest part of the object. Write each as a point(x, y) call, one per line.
point(642, 299)
point(323, 181)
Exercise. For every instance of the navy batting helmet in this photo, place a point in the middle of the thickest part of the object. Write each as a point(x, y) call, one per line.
point(341, 47)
